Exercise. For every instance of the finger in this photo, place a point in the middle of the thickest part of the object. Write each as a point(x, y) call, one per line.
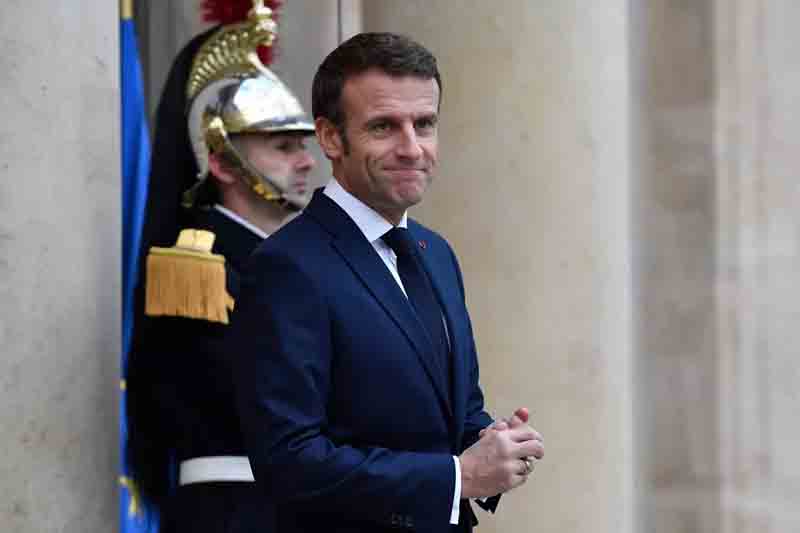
point(529, 448)
point(523, 414)
point(517, 480)
point(515, 422)
point(524, 466)
point(498, 425)
point(523, 432)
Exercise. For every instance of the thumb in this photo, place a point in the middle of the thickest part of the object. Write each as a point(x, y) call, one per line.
point(523, 414)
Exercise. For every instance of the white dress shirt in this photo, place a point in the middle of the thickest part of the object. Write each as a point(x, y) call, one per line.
point(374, 226)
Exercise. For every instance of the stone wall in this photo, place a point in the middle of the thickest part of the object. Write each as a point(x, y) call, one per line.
point(619, 180)
point(59, 267)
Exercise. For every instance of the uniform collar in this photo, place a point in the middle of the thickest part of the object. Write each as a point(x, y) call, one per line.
point(242, 222)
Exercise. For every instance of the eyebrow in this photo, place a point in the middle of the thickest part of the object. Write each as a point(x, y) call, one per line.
point(433, 116)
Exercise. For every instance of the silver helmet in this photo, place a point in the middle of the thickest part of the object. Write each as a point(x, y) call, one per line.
point(231, 91)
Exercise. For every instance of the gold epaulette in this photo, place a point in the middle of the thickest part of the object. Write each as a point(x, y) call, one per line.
point(187, 280)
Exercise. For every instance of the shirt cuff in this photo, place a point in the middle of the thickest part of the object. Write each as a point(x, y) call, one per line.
point(456, 493)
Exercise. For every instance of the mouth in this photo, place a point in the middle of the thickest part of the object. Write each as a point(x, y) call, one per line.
point(410, 173)
point(300, 186)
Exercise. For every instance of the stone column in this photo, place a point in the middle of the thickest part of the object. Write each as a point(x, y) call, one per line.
point(758, 255)
point(717, 262)
point(533, 192)
point(59, 266)
point(676, 406)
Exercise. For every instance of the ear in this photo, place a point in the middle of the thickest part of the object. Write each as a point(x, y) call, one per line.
point(220, 170)
point(329, 138)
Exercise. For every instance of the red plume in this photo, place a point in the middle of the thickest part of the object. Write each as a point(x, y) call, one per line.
point(233, 11)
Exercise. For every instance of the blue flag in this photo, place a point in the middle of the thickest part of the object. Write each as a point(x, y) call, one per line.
point(135, 171)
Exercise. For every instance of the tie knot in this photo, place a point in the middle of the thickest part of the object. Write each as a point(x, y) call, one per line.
point(399, 240)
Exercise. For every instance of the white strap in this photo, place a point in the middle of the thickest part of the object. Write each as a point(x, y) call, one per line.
point(219, 468)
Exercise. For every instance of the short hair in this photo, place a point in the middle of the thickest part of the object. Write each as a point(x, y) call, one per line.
point(395, 55)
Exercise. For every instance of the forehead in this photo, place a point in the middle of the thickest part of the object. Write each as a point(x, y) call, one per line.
point(375, 93)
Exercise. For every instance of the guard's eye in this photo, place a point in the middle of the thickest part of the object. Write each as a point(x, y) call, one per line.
point(291, 146)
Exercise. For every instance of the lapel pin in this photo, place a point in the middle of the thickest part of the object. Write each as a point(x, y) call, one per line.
point(423, 244)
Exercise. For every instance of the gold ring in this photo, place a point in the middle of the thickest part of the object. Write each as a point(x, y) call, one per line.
point(528, 465)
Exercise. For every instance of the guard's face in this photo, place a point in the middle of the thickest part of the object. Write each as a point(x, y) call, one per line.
point(392, 141)
point(283, 158)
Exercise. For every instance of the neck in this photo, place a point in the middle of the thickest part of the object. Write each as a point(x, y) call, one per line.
point(392, 216)
point(267, 216)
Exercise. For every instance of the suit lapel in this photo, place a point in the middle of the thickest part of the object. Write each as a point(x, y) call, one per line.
point(362, 259)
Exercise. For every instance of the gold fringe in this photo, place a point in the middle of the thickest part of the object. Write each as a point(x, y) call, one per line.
point(187, 280)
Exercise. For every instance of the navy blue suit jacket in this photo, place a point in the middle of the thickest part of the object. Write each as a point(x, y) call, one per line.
point(347, 425)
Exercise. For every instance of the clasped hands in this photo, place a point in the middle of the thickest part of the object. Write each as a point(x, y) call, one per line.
point(502, 458)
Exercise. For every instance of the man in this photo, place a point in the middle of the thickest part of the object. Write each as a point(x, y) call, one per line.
point(358, 375)
point(235, 156)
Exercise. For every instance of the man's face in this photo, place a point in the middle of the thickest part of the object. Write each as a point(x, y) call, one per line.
point(391, 141)
point(283, 158)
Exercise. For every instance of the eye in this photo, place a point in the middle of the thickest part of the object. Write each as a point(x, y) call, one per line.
point(425, 125)
point(290, 146)
point(379, 127)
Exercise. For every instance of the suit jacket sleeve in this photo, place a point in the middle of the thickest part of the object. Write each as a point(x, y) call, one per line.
point(476, 417)
point(284, 368)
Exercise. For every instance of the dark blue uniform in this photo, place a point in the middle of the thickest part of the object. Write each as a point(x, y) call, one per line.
point(181, 405)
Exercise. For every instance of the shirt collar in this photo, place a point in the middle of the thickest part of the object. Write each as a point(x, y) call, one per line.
point(369, 221)
point(242, 222)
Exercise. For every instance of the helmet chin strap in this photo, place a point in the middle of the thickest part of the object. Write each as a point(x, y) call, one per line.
point(264, 186)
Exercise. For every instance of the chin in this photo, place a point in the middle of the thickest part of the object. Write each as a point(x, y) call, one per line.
point(299, 199)
point(412, 195)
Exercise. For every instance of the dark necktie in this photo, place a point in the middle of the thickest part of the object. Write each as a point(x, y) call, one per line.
point(420, 295)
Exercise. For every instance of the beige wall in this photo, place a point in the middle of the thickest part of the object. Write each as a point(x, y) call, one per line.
point(59, 267)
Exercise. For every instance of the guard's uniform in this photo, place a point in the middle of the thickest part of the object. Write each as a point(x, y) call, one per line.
point(184, 449)
point(192, 405)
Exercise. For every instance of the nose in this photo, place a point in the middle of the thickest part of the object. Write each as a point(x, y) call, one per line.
point(305, 163)
point(408, 144)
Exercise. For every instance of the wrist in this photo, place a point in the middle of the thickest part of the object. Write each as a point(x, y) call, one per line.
point(465, 465)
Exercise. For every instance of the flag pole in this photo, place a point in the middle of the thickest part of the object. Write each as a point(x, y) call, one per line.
point(126, 9)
